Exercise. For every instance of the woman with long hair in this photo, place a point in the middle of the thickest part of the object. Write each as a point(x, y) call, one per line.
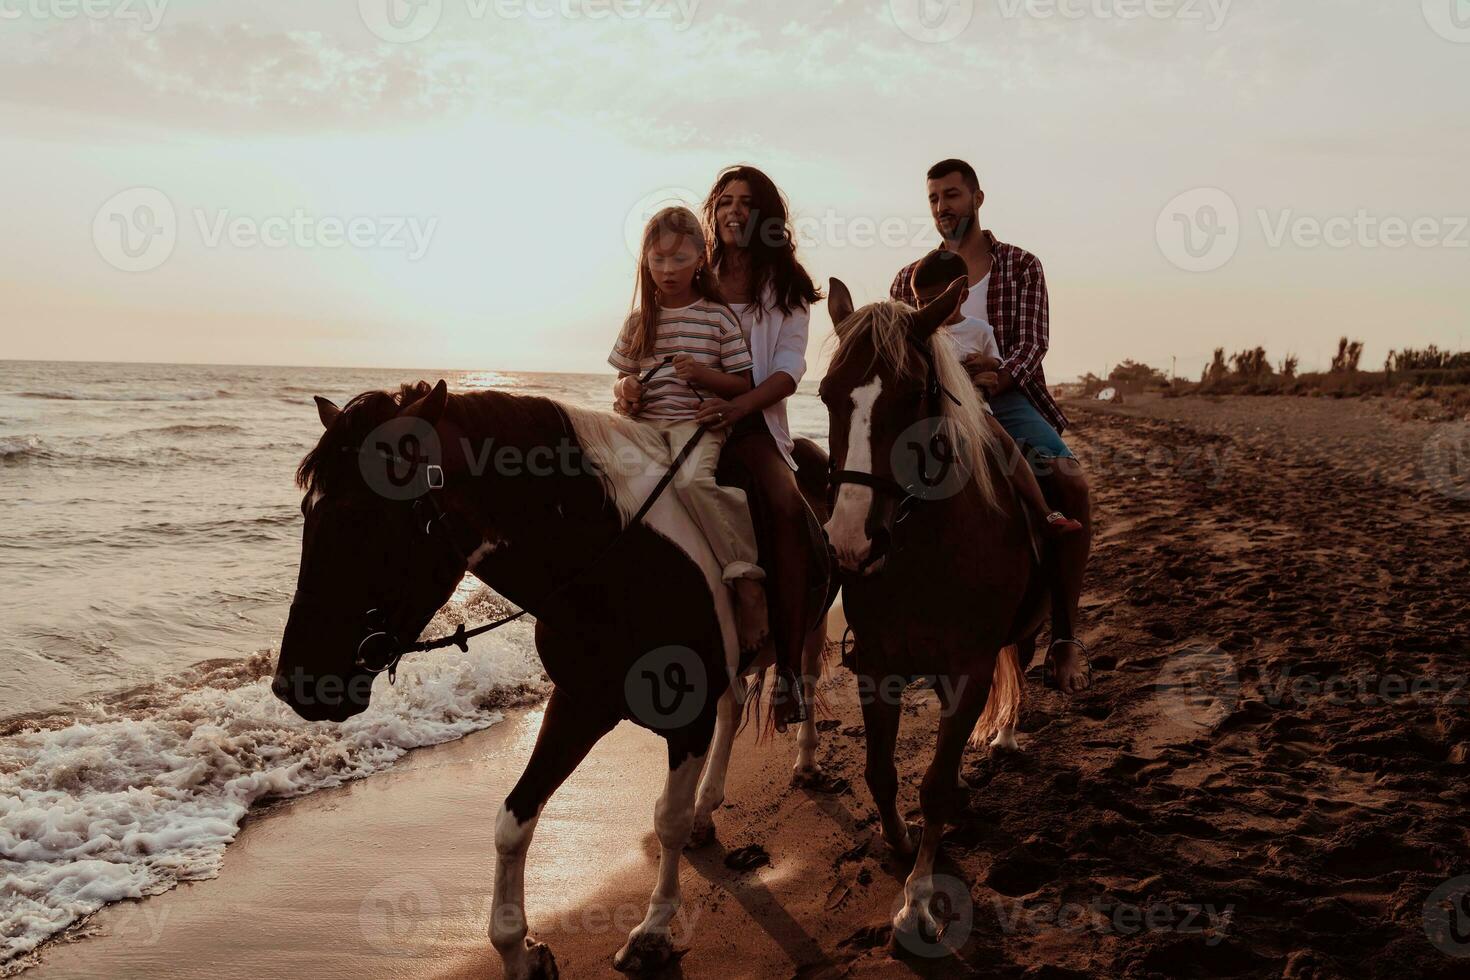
point(753, 252)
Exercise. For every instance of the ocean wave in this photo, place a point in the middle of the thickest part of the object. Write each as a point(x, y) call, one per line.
point(127, 799)
point(73, 395)
point(186, 429)
point(15, 449)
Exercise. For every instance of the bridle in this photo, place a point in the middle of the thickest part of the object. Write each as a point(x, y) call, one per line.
point(910, 494)
point(380, 649)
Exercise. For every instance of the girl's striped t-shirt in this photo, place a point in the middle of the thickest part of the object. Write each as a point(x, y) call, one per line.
point(705, 330)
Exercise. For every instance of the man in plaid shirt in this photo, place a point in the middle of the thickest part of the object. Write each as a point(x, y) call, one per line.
point(1008, 291)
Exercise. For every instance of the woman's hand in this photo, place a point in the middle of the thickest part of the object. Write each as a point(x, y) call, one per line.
point(718, 414)
point(628, 396)
point(686, 368)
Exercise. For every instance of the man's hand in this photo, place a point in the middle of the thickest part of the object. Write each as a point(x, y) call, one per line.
point(687, 369)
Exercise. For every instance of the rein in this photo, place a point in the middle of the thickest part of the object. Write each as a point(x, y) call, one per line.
point(391, 650)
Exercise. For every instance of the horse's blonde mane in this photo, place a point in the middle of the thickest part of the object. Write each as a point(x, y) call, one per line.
point(886, 325)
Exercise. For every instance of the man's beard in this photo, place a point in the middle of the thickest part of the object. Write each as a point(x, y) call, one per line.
point(962, 225)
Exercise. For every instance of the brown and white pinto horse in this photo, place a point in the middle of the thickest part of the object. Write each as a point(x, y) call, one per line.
point(939, 574)
point(536, 497)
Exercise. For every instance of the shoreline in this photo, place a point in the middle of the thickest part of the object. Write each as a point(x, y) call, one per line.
point(1190, 815)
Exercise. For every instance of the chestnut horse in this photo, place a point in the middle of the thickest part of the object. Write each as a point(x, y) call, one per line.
point(939, 574)
point(406, 491)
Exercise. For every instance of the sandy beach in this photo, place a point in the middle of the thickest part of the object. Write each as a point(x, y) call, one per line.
point(1269, 777)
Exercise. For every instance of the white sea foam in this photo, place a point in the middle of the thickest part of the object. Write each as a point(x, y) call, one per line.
point(130, 798)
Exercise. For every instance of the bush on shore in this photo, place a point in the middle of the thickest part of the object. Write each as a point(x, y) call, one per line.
point(1428, 375)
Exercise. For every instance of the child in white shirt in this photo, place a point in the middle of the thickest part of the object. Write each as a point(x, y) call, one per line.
point(969, 336)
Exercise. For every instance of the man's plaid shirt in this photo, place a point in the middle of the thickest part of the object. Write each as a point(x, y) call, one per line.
point(1018, 312)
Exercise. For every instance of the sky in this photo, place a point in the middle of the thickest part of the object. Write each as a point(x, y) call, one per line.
point(455, 182)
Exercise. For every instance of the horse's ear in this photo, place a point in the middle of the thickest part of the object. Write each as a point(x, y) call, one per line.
point(326, 411)
point(937, 313)
point(430, 407)
point(839, 301)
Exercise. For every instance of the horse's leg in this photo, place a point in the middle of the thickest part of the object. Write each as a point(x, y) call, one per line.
point(806, 769)
point(960, 705)
point(1008, 692)
point(712, 785)
point(880, 720)
point(568, 733)
point(650, 945)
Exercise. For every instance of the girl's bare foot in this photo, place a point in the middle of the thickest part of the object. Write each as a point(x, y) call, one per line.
point(753, 621)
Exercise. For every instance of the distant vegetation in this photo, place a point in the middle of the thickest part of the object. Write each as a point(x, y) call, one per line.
point(1437, 381)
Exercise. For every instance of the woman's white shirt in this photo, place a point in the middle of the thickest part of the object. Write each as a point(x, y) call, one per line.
point(777, 344)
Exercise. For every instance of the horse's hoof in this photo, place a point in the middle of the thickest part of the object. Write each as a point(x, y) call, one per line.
point(644, 954)
point(915, 930)
point(804, 776)
point(542, 963)
point(1004, 743)
point(535, 963)
point(904, 846)
point(701, 835)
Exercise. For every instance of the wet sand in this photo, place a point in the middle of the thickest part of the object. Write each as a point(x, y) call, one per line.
point(1269, 778)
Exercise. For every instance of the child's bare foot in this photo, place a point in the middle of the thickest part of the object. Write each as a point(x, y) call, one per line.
point(752, 618)
point(1058, 523)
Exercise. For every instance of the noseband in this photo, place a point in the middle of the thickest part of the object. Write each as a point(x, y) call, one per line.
point(910, 494)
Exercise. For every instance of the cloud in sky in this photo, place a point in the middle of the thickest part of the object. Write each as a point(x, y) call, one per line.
point(528, 138)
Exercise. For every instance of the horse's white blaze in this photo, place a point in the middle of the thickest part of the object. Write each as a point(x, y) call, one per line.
point(635, 459)
point(846, 530)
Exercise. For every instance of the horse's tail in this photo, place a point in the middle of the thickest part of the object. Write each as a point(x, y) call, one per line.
point(1007, 691)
